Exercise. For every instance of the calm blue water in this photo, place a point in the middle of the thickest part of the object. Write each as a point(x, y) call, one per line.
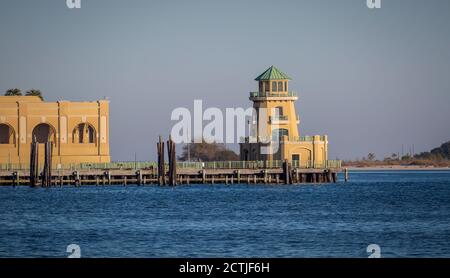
point(406, 213)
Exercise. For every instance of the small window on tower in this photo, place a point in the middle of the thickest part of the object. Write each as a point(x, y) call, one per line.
point(280, 86)
point(274, 86)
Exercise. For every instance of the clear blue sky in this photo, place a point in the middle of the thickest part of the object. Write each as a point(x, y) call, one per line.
point(370, 79)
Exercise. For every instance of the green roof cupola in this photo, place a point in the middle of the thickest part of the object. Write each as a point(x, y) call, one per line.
point(273, 80)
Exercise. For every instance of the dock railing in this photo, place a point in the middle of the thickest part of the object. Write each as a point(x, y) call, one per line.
point(260, 164)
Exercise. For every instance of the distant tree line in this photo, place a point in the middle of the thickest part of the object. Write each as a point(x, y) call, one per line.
point(439, 157)
point(207, 152)
point(18, 92)
point(439, 153)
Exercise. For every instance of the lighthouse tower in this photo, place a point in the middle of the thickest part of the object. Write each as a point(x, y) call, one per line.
point(273, 94)
point(277, 125)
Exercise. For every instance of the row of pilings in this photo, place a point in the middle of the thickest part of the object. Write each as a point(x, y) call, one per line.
point(171, 154)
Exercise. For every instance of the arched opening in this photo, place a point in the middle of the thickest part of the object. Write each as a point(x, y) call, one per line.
point(83, 134)
point(246, 157)
point(44, 133)
point(7, 135)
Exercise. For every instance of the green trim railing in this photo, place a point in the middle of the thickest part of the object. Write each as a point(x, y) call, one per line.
point(272, 94)
point(87, 166)
point(290, 138)
point(305, 138)
point(260, 164)
point(278, 118)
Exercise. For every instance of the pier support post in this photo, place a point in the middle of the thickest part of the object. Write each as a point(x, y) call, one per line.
point(265, 176)
point(34, 163)
point(108, 177)
point(139, 177)
point(203, 176)
point(346, 174)
point(76, 178)
point(16, 178)
point(161, 164)
point(172, 162)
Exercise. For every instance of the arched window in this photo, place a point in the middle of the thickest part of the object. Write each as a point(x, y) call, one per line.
point(280, 86)
point(7, 134)
point(246, 157)
point(274, 86)
point(44, 133)
point(83, 134)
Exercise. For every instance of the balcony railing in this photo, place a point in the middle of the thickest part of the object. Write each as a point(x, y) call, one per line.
point(266, 139)
point(305, 138)
point(260, 164)
point(272, 94)
point(278, 118)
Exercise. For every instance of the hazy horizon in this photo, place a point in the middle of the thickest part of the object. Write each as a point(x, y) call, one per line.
point(372, 80)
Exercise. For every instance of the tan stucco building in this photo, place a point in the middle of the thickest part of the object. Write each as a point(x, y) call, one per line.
point(79, 131)
point(277, 127)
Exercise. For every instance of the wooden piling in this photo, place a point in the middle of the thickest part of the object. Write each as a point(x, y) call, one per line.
point(286, 172)
point(172, 162)
point(203, 176)
point(34, 163)
point(139, 177)
point(161, 164)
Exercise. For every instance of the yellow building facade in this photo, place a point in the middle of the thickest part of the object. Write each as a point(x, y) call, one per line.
point(277, 135)
point(79, 131)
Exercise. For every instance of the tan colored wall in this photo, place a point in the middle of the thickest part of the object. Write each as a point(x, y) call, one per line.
point(23, 114)
point(288, 110)
point(311, 150)
point(314, 151)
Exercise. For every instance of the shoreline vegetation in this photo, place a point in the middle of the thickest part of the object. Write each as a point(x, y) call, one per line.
point(438, 158)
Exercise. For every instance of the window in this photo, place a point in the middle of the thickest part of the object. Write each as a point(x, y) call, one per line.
point(277, 134)
point(278, 112)
point(274, 86)
point(285, 86)
point(280, 86)
point(83, 134)
point(6, 134)
point(44, 133)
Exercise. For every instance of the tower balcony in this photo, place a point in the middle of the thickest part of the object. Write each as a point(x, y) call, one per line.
point(293, 139)
point(282, 119)
point(279, 119)
point(263, 96)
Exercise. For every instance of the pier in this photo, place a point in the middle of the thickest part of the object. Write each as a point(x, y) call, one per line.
point(148, 173)
point(116, 175)
point(166, 174)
